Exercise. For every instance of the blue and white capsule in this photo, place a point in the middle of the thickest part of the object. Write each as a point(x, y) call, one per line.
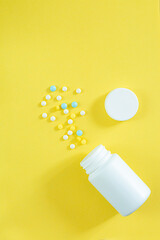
point(53, 88)
point(64, 105)
point(79, 133)
point(74, 104)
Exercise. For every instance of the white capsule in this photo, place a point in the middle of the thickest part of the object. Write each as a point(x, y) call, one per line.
point(44, 115)
point(65, 137)
point(72, 146)
point(69, 132)
point(43, 103)
point(70, 121)
point(78, 90)
point(48, 97)
point(52, 118)
point(66, 111)
point(58, 98)
point(64, 89)
point(82, 113)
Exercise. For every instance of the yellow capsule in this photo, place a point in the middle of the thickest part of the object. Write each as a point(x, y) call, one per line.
point(78, 139)
point(72, 128)
point(83, 141)
point(60, 126)
point(73, 115)
point(57, 107)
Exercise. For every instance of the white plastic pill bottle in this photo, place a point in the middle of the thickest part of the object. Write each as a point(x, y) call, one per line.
point(115, 180)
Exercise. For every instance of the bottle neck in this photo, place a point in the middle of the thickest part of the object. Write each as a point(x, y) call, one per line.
point(95, 159)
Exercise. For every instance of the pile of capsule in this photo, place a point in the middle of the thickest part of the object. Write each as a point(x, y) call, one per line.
point(64, 107)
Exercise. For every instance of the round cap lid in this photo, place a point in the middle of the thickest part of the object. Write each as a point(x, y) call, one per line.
point(121, 104)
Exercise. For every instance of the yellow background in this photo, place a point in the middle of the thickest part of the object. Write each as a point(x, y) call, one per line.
point(97, 46)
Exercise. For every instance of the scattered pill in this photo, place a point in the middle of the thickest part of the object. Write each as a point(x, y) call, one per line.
point(44, 115)
point(69, 132)
point(57, 107)
point(53, 118)
point(48, 97)
point(73, 115)
point(59, 98)
point(60, 126)
point(63, 105)
point(83, 141)
point(72, 128)
point(79, 133)
point(78, 139)
point(82, 113)
point(74, 104)
point(70, 121)
point(66, 111)
point(65, 137)
point(53, 88)
point(72, 146)
point(64, 89)
point(43, 103)
point(78, 90)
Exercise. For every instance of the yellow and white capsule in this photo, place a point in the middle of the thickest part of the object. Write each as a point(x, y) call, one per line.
point(60, 126)
point(83, 142)
point(73, 115)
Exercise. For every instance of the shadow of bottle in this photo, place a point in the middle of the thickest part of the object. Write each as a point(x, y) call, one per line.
point(75, 198)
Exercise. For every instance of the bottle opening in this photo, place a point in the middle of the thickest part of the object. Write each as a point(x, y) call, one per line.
point(95, 159)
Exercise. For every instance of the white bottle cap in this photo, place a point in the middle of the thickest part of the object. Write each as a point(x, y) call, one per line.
point(121, 104)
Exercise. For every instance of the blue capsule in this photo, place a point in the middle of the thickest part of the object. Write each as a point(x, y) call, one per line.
point(79, 133)
point(74, 104)
point(63, 105)
point(53, 88)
